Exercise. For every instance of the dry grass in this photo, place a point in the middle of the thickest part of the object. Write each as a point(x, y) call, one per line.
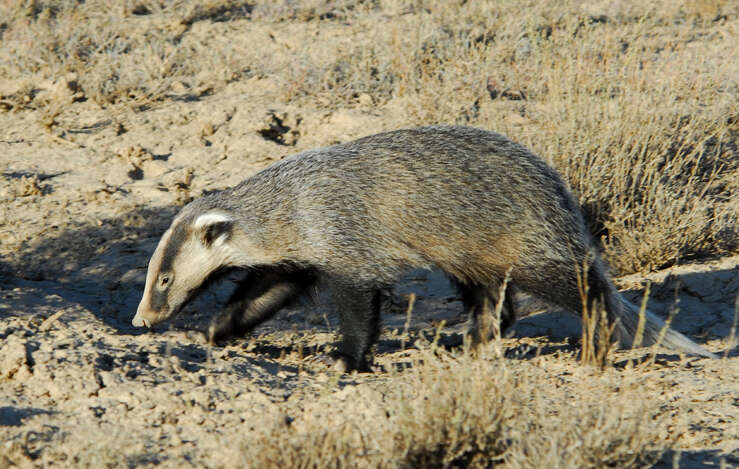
point(112, 52)
point(452, 410)
point(636, 105)
point(447, 411)
point(597, 331)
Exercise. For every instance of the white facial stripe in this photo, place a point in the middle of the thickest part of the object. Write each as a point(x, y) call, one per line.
point(151, 274)
point(209, 219)
point(194, 263)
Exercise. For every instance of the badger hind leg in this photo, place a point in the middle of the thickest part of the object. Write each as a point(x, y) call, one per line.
point(256, 299)
point(358, 308)
point(480, 302)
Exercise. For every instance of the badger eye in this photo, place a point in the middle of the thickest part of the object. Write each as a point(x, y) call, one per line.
point(164, 280)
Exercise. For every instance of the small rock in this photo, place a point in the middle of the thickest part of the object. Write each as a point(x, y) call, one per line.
point(366, 100)
point(116, 176)
point(207, 130)
point(523, 49)
point(180, 87)
point(111, 378)
point(13, 362)
point(345, 393)
point(154, 168)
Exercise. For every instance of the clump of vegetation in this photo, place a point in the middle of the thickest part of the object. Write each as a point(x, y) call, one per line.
point(634, 104)
point(455, 410)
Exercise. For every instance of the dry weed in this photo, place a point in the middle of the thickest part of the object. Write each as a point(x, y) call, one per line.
point(635, 104)
point(453, 410)
point(466, 412)
point(597, 331)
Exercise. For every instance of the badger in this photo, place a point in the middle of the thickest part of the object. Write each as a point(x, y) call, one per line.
point(350, 218)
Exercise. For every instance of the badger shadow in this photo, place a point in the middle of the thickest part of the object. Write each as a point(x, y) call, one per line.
point(15, 416)
point(98, 267)
point(695, 459)
point(102, 268)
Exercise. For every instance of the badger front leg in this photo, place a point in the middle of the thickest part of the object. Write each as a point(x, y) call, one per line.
point(359, 324)
point(256, 299)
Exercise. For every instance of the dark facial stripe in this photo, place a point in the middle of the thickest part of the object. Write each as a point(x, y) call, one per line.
point(158, 300)
point(174, 244)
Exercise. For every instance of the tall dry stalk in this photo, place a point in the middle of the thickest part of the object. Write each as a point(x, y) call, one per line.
point(597, 331)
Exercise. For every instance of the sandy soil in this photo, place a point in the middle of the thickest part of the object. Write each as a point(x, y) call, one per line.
point(81, 209)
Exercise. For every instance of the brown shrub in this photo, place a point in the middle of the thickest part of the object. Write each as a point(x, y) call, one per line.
point(458, 411)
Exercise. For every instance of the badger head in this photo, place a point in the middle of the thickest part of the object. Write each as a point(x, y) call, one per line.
point(192, 249)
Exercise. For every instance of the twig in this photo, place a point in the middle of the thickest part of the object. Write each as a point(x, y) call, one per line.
point(48, 322)
point(408, 314)
point(732, 334)
point(63, 140)
point(639, 336)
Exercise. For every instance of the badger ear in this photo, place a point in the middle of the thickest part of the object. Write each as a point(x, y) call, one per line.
point(213, 228)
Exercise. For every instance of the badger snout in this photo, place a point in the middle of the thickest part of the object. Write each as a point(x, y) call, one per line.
point(145, 317)
point(139, 321)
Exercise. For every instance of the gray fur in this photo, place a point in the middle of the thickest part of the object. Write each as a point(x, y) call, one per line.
point(467, 201)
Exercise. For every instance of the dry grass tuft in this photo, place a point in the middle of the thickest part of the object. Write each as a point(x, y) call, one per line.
point(449, 419)
point(597, 336)
point(453, 410)
point(597, 331)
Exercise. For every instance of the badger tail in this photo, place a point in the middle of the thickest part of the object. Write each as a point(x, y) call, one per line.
point(654, 330)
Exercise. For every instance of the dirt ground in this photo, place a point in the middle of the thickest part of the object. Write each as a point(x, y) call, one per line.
point(80, 220)
point(82, 205)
